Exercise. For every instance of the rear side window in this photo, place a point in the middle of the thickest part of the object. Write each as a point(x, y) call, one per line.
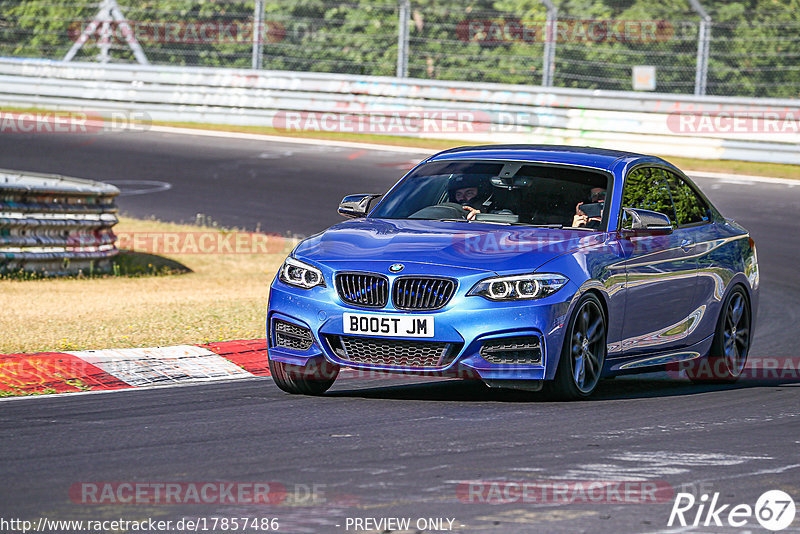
point(689, 206)
point(646, 189)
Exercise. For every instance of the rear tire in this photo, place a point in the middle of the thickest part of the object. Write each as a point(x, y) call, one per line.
point(583, 354)
point(728, 354)
point(302, 380)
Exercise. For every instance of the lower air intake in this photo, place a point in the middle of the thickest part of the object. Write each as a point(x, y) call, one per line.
point(523, 350)
point(291, 336)
point(397, 353)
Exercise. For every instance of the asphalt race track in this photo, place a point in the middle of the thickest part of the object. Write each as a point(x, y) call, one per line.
point(393, 447)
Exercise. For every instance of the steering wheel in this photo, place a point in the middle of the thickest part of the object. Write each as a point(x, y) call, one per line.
point(445, 210)
point(457, 209)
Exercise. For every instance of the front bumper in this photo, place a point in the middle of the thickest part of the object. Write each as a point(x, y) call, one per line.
point(468, 323)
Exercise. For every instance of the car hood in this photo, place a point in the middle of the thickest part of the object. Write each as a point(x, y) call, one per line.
point(472, 245)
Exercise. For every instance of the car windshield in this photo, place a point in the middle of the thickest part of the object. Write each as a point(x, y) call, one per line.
point(500, 192)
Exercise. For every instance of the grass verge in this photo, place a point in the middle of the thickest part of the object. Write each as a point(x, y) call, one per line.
point(221, 297)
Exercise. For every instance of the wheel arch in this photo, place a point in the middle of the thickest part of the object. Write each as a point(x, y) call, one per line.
point(747, 290)
point(602, 297)
point(560, 385)
point(751, 294)
point(593, 287)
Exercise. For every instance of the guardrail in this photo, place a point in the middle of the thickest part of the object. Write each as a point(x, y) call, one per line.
point(497, 113)
point(55, 225)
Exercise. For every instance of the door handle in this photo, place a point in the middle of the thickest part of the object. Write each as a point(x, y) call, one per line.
point(687, 244)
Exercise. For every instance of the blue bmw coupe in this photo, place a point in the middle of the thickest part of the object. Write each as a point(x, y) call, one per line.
point(523, 266)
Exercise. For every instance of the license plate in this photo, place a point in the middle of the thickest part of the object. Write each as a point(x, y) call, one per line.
point(388, 325)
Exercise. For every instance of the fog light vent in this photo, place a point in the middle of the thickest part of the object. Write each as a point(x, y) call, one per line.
point(523, 350)
point(291, 336)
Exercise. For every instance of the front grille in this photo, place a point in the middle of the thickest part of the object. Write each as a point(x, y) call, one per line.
point(422, 293)
point(291, 336)
point(524, 350)
point(399, 353)
point(363, 289)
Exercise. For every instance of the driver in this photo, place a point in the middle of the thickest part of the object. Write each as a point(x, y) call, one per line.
point(471, 191)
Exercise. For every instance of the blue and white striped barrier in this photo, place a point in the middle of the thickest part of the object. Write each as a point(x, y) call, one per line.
point(55, 225)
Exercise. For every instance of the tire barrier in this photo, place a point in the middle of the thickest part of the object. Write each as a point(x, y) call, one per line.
point(53, 225)
point(117, 96)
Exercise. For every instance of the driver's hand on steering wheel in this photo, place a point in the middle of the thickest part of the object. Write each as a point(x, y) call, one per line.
point(472, 212)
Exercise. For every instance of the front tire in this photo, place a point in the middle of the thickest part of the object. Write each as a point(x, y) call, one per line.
point(583, 354)
point(312, 380)
point(728, 354)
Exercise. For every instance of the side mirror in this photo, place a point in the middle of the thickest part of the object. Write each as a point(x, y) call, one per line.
point(639, 223)
point(355, 206)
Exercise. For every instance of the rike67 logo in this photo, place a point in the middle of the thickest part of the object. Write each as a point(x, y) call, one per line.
point(774, 510)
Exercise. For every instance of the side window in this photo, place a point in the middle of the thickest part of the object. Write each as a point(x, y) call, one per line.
point(689, 207)
point(646, 188)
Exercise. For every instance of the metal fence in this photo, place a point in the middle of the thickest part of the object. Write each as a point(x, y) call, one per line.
point(696, 46)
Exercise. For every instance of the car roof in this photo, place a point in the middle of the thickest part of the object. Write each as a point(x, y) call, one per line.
point(599, 158)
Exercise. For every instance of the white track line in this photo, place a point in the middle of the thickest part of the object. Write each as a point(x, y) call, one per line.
point(739, 178)
point(295, 140)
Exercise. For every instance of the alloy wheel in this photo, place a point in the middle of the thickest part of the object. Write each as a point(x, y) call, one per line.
point(736, 334)
point(587, 350)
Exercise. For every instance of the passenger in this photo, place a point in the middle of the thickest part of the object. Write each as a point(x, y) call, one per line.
point(597, 194)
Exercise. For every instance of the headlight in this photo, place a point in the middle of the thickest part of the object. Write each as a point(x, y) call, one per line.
point(519, 287)
point(299, 274)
